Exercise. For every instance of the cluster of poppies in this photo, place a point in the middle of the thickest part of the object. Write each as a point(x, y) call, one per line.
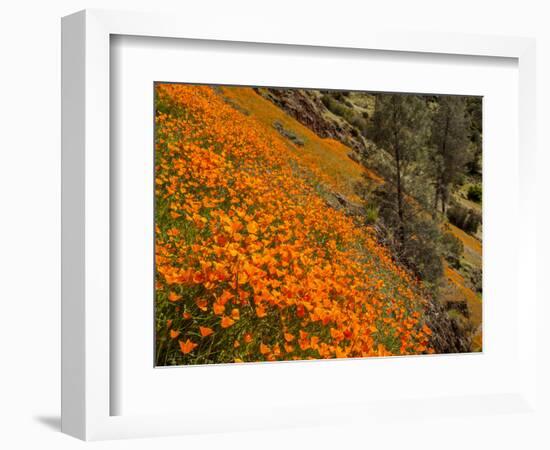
point(252, 264)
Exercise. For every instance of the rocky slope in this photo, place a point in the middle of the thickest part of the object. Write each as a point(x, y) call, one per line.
point(307, 107)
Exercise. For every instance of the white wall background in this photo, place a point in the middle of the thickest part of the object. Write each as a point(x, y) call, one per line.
point(30, 199)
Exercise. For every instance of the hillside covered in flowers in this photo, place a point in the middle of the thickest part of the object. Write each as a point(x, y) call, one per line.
point(252, 263)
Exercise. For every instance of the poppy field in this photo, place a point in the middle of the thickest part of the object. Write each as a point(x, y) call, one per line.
point(251, 262)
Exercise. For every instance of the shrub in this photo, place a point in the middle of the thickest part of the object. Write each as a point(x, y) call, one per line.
point(475, 276)
point(360, 123)
point(460, 320)
point(420, 250)
point(336, 107)
point(343, 108)
point(371, 214)
point(465, 218)
point(289, 134)
point(475, 193)
point(452, 249)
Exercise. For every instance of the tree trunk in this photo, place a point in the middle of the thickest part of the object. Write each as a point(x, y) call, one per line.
point(443, 178)
point(398, 180)
point(436, 199)
point(399, 187)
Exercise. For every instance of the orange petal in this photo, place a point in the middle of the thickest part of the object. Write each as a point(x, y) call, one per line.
point(202, 304)
point(252, 228)
point(173, 297)
point(174, 334)
point(227, 322)
point(187, 346)
point(260, 311)
point(219, 309)
point(205, 331)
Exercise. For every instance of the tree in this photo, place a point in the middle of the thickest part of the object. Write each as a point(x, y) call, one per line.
point(474, 106)
point(449, 149)
point(400, 126)
point(417, 243)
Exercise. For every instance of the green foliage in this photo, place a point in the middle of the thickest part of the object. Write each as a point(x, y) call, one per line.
point(474, 276)
point(371, 214)
point(415, 240)
point(360, 123)
point(421, 146)
point(474, 106)
point(400, 125)
point(449, 145)
point(421, 250)
point(465, 218)
point(289, 134)
point(459, 318)
point(338, 104)
point(452, 249)
point(475, 193)
point(335, 106)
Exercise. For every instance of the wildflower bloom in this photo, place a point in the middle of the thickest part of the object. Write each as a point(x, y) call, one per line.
point(187, 347)
point(226, 322)
point(173, 297)
point(248, 254)
point(174, 333)
point(205, 331)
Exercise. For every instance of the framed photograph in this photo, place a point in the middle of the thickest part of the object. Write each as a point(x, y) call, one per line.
point(253, 218)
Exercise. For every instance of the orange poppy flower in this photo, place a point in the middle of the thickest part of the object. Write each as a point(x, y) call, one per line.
point(187, 347)
point(205, 331)
point(226, 322)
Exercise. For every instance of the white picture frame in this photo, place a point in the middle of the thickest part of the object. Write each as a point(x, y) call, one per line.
point(86, 245)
